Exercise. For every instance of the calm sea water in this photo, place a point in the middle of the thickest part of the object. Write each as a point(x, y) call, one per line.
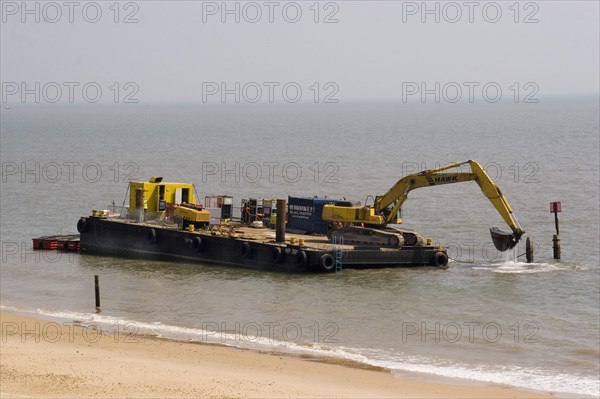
point(488, 318)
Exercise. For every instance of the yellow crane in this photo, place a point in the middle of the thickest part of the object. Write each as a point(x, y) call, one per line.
point(367, 224)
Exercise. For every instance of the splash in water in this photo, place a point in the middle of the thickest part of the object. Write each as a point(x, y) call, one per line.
point(509, 256)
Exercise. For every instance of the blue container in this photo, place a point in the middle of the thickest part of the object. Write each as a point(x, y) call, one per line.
point(304, 215)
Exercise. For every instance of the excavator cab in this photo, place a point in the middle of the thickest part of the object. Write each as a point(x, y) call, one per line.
point(503, 241)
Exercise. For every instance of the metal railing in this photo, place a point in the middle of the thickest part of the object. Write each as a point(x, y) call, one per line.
point(122, 212)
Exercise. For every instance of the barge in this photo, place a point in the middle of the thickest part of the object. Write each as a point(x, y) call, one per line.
point(163, 222)
point(244, 246)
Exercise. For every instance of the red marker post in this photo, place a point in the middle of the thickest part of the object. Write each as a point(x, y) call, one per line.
point(555, 208)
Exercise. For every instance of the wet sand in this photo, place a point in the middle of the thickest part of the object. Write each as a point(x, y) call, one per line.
point(41, 358)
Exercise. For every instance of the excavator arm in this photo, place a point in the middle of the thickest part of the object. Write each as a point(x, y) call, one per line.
point(386, 207)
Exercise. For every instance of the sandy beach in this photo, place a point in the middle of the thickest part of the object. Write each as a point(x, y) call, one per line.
point(41, 358)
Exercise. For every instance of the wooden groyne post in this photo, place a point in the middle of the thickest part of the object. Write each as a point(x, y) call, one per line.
point(555, 208)
point(97, 292)
point(529, 250)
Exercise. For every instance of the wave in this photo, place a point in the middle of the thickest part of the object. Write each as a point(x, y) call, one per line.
point(529, 378)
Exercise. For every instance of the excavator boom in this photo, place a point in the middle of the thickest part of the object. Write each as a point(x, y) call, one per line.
point(386, 207)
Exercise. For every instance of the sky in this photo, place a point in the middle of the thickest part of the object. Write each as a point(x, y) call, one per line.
point(274, 51)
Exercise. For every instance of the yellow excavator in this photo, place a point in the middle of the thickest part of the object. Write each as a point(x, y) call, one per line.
point(368, 225)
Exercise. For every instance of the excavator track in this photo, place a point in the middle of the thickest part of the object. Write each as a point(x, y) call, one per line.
point(385, 238)
point(411, 238)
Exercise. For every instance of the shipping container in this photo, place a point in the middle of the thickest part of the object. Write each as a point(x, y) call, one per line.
point(304, 215)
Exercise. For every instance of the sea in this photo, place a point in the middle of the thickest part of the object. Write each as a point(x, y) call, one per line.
point(490, 318)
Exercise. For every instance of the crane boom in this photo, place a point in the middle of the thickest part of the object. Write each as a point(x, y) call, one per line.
point(386, 207)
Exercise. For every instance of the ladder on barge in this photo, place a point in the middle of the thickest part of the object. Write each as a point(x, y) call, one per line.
point(338, 243)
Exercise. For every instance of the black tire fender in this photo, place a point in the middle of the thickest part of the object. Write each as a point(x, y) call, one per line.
point(197, 244)
point(440, 259)
point(277, 255)
point(152, 236)
point(327, 262)
point(246, 250)
point(301, 258)
point(82, 225)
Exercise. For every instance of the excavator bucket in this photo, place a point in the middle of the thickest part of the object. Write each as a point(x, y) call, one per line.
point(502, 240)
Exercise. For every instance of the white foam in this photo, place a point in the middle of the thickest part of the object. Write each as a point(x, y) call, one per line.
point(530, 378)
point(536, 379)
point(519, 267)
point(516, 267)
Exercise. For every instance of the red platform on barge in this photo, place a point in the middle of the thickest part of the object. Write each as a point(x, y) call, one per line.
point(68, 242)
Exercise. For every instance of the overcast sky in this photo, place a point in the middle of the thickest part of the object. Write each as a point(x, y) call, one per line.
point(353, 50)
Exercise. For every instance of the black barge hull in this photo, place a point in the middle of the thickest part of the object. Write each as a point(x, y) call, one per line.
point(119, 238)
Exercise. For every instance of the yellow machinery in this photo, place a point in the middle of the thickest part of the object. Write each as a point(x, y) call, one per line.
point(159, 196)
point(346, 219)
point(192, 215)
